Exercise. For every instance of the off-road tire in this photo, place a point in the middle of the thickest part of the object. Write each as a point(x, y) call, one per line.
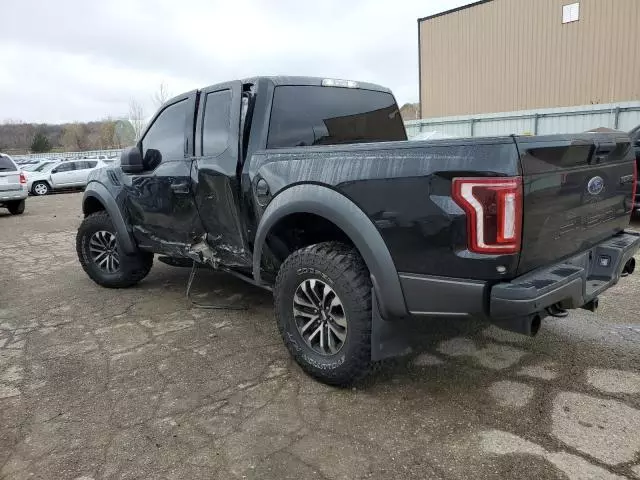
point(16, 207)
point(340, 267)
point(133, 267)
point(46, 192)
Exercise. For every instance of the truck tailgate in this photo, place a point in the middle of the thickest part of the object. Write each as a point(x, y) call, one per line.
point(577, 192)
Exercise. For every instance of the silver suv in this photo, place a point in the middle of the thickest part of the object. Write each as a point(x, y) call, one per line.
point(61, 175)
point(13, 185)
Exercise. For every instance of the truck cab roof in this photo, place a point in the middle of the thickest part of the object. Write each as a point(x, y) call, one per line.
point(280, 80)
point(315, 82)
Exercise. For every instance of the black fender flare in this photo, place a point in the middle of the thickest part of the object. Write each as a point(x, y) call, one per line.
point(99, 192)
point(346, 215)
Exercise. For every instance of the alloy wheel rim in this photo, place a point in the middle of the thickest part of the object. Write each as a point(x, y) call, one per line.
point(41, 189)
point(320, 317)
point(103, 249)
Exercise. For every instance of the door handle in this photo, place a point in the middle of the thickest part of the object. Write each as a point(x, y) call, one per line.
point(180, 188)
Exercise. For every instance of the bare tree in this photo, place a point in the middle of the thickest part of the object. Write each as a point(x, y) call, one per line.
point(162, 95)
point(107, 132)
point(136, 117)
point(74, 137)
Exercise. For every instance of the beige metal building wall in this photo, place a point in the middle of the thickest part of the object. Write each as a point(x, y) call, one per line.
point(506, 55)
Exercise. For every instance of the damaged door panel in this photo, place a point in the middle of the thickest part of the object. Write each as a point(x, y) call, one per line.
point(160, 199)
point(214, 177)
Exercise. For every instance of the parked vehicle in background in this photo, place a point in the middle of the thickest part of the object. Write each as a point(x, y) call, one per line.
point(37, 167)
point(28, 161)
point(61, 175)
point(635, 140)
point(308, 187)
point(13, 186)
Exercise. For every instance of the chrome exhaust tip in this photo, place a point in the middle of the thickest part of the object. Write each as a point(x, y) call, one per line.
point(592, 306)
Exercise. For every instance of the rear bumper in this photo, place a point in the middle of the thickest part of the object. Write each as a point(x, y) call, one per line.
point(12, 195)
point(569, 284)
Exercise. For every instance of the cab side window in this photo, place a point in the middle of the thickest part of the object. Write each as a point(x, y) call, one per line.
point(216, 127)
point(164, 141)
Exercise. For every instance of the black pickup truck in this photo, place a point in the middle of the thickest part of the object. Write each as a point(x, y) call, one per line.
point(309, 187)
point(635, 141)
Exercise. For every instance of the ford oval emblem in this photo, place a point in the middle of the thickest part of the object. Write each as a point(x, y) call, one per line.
point(595, 186)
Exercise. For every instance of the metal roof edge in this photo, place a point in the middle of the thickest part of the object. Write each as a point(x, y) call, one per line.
point(453, 10)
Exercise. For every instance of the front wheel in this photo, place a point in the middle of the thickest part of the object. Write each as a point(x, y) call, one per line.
point(101, 257)
point(323, 309)
point(16, 207)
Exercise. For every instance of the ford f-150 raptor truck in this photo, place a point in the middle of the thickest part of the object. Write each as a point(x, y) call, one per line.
point(309, 187)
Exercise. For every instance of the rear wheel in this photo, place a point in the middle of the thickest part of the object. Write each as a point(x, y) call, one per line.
point(101, 257)
point(323, 310)
point(40, 188)
point(17, 207)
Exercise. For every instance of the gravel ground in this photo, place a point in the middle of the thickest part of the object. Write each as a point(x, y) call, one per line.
point(98, 383)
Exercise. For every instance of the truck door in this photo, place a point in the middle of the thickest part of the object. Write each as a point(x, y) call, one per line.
point(160, 200)
point(214, 174)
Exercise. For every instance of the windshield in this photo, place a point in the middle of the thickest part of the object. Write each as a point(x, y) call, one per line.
point(29, 167)
point(44, 167)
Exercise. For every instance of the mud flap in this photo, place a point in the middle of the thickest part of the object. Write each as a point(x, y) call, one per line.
point(389, 339)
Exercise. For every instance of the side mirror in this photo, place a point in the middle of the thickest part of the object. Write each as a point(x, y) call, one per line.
point(54, 171)
point(131, 160)
point(152, 159)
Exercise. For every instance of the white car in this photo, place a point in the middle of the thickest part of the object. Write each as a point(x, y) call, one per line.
point(13, 190)
point(61, 175)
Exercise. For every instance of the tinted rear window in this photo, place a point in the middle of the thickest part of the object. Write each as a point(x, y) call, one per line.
point(307, 115)
point(6, 165)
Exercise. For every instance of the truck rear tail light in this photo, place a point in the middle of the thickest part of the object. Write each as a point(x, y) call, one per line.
point(494, 213)
point(23, 178)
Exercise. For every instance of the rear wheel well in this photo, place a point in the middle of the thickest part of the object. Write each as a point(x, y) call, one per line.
point(92, 205)
point(294, 232)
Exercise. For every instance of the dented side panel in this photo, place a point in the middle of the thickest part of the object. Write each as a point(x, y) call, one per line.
point(217, 200)
point(162, 210)
point(214, 178)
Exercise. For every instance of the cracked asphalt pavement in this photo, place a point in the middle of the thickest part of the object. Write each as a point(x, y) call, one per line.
point(122, 384)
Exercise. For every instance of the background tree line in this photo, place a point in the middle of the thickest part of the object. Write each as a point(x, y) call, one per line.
point(19, 137)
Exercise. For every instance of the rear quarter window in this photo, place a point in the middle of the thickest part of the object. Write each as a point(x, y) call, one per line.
point(313, 115)
point(215, 131)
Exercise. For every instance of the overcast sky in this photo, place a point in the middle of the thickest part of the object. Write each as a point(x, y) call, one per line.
point(68, 60)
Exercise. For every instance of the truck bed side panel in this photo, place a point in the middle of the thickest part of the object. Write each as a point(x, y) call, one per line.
point(405, 189)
